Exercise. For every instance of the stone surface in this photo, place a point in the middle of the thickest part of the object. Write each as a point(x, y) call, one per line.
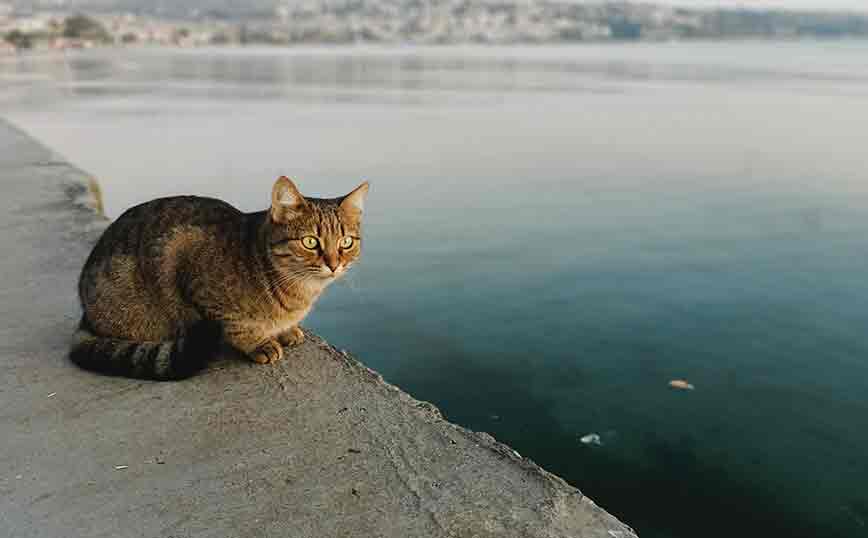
point(317, 446)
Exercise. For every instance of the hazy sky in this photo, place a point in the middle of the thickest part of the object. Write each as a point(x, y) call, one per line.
point(860, 5)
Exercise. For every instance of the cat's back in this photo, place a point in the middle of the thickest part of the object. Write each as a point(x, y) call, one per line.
point(151, 238)
point(158, 220)
point(174, 211)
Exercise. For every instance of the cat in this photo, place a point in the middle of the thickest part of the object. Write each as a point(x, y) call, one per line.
point(172, 278)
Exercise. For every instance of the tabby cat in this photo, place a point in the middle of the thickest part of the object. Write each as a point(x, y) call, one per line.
point(172, 278)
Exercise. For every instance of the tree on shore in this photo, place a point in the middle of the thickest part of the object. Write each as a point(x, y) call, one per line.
point(84, 27)
point(18, 39)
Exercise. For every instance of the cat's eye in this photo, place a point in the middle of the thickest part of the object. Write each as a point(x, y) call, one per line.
point(346, 242)
point(310, 242)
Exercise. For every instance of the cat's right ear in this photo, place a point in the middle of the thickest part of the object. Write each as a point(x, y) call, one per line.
point(286, 200)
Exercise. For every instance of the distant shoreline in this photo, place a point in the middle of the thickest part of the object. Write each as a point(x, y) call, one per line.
point(437, 22)
point(378, 45)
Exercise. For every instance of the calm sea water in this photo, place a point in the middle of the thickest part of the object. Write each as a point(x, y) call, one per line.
point(554, 234)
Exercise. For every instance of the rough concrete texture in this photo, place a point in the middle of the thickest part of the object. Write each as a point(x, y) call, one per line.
point(317, 446)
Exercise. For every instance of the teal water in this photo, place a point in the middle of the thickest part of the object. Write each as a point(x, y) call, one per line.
point(554, 234)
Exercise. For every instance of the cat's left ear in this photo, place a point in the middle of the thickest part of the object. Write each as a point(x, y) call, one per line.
point(354, 202)
point(286, 200)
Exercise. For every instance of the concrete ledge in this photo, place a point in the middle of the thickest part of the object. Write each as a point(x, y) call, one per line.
point(317, 446)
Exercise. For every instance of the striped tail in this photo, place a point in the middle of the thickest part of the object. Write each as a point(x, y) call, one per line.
point(162, 361)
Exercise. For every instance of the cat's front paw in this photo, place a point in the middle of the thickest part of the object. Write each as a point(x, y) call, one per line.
point(268, 353)
point(292, 337)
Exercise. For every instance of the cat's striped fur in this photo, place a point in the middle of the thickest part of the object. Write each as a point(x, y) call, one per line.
point(172, 278)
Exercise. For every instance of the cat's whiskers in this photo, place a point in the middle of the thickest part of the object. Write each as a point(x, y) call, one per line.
point(286, 280)
point(282, 281)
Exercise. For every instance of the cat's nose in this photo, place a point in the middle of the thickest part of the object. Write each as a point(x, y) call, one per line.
point(332, 263)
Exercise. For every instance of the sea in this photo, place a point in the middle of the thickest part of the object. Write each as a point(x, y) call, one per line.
point(553, 234)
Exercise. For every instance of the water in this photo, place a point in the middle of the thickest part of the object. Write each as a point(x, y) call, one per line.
point(554, 234)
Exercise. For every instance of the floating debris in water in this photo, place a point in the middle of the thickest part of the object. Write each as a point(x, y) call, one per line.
point(680, 384)
point(591, 439)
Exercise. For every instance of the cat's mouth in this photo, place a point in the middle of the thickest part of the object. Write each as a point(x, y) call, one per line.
point(328, 274)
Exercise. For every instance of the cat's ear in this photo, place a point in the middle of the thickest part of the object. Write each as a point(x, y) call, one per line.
point(354, 202)
point(286, 201)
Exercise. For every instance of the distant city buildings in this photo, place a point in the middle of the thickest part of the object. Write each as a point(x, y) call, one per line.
point(414, 21)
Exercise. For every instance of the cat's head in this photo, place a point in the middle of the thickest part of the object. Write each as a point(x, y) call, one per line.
point(311, 238)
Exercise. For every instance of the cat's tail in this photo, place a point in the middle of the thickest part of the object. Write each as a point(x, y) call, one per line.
point(163, 361)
